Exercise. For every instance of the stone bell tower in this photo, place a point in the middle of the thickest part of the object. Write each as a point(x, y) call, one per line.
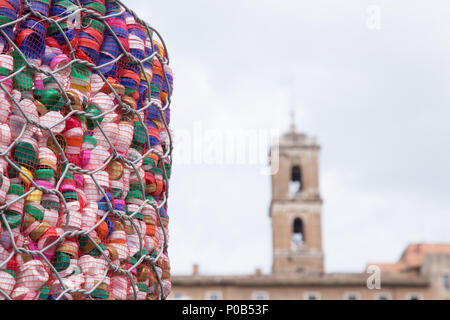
point(296, 205)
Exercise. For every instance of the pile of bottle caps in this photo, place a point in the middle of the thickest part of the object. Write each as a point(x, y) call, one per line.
point(85, 152)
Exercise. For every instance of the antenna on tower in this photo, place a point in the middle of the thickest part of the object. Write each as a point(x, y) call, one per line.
point(292, 116)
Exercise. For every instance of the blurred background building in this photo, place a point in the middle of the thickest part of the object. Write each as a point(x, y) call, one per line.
point(422, 272)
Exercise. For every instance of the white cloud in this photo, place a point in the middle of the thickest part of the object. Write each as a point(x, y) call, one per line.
point(377, 100)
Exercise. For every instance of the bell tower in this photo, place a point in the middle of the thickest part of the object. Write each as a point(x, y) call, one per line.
point(296, 206)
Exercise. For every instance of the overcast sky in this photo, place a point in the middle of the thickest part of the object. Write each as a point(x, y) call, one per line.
point(376, 98)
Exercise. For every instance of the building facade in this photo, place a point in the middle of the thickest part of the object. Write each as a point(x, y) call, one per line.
point(423, 272)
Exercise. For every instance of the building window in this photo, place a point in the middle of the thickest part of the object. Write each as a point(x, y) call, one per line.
point(179, 296)
point(298, 237)
point(383, 296)
point(214, 295)
point(446, 281)
point(312, 296)
point(260, 296)
point(352, 296)
point(414, 296)
point(295, 185)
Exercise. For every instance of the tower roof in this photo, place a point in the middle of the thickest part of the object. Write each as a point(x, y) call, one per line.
point(297, 139)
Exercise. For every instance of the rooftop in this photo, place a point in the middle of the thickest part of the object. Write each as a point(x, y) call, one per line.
point(331, 279)
point(414, 257)
point(402, 273)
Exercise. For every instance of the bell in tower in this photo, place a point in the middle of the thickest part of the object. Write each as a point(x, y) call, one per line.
point(295, 185)
point(297, 235)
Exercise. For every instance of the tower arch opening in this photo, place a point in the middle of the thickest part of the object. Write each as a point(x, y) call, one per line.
point(295, 183)
point(298, 235)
